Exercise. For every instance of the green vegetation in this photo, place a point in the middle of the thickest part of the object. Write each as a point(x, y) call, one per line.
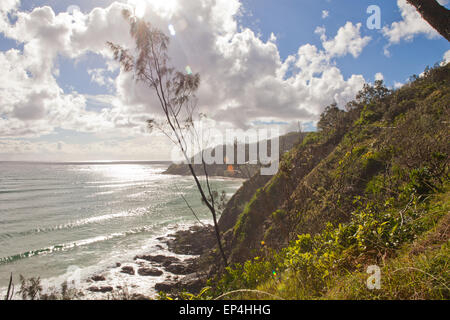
point(371, 187)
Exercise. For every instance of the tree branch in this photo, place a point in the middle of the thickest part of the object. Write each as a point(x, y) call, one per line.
point(436, 15)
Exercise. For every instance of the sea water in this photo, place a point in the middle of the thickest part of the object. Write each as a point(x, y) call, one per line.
point(57, 219)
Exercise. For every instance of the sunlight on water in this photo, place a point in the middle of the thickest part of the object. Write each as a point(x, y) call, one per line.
point(53, 217)
point(125, 172)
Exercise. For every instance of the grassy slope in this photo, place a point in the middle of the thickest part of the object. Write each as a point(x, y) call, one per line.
point(370, 188)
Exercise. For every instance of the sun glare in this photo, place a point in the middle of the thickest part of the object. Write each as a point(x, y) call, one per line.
point(140, 7)
point(166, 6)
point(163, 7)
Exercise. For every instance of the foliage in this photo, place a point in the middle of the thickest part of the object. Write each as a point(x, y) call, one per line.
point(361, 191)
point(31, 289)
point(176, 93)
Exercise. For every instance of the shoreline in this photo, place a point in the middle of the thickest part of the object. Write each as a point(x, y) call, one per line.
point(170, 266)
point(165, 265)
point(171, 269)
point(174, 241)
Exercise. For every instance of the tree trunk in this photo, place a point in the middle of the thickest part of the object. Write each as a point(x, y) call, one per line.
point(436, 15)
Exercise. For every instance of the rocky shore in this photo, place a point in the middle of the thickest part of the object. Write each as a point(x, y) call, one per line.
point(172, 274)
point(195, 241)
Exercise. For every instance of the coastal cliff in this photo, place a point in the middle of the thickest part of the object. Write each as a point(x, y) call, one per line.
point(370, 187)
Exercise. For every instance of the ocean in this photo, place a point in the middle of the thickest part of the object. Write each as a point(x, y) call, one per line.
point(69, 221)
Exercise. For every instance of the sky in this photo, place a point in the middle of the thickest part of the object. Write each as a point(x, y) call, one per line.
point(262, 63)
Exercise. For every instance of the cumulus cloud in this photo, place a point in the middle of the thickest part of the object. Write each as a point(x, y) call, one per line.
point(347, 40)
point(398, 85)
point(379, 76)
point(446, 58)
point(412, 24)
point(325, 14)
point(100, 77)
point(32, 100)
point(244, 78)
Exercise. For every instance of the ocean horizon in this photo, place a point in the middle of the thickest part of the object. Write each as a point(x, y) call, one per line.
point(65, 220)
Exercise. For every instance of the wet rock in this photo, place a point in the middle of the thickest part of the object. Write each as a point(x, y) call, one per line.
point(100, 289)
point(128, 270)
point(180, 269)
point(195, 241)
point(159, 259)
point(138, 296)
point(97, 278)
point(150, 272)
point(193, 283)
point(167, 286)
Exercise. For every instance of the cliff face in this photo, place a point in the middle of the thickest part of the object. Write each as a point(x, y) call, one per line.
point(385, 142)
point(370, 188)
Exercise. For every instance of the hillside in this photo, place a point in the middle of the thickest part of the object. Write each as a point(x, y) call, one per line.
point(371, 187)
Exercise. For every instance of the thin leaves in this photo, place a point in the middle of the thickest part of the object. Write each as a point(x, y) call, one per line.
point(175, 92)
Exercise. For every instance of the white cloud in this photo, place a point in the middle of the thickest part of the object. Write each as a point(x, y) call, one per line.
point(398, 85)
point(99, 76)
point(412, 24)
point(379, 76)
point(8, 5)
point(347, 40)
point(446, 57)
point(321, 31)
point(325, 14)
point(243, 77)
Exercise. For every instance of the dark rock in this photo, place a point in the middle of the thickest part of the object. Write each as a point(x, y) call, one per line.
point(118, 265)
point(167, 286)
point(128, 270)
point(98, 278)
point(100, 289)
point(138, 296)
point(180, 269)
point(195, 241)
point(160, 259)
point(193, 283)
point(150, 272)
